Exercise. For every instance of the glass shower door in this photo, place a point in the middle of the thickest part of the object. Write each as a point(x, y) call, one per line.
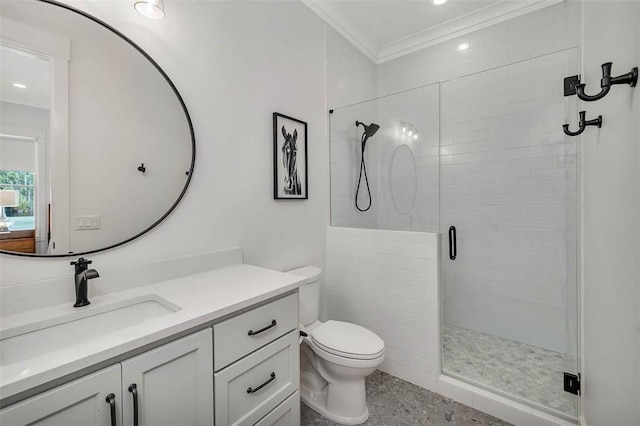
point(509, 224)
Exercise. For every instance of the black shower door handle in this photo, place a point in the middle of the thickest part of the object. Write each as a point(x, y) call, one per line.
point(453, 244)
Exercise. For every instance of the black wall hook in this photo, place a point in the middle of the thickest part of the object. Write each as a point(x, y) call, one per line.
point(142, 168)
point(630, 78)
point(583, 124)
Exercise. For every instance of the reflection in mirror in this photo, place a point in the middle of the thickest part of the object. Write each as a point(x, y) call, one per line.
point(93, 135)
point(24, 117)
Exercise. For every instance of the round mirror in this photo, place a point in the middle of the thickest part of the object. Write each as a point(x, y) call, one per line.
point(96, 144)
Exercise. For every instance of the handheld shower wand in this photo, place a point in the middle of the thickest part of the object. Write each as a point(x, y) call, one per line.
point(369, 131)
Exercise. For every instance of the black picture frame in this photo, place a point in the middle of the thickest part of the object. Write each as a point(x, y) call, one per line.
point(290, 166)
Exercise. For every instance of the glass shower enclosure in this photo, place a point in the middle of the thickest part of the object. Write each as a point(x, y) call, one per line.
point(482, 160)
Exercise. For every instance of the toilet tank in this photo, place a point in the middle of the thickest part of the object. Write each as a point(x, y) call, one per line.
point(309, 302)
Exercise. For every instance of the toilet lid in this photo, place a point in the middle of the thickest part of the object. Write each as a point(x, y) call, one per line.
point(348, 340)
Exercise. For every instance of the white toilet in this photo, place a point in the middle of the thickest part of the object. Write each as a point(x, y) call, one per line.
point(335, 358)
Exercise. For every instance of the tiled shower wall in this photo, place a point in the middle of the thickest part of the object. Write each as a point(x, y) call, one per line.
point(387, 281)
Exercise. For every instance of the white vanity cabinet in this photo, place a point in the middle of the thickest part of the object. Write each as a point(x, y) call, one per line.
point(82, 402)
point(174, 387)
point(251, 360)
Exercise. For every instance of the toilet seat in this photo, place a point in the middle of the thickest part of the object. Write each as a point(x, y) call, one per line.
point(347, 340)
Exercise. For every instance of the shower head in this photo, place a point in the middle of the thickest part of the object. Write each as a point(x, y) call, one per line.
point(369, 130)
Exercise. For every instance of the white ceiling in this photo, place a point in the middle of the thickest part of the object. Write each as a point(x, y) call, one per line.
point(33, 72)
point(386, 29)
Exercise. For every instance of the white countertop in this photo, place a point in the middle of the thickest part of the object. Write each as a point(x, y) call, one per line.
point(202, 297)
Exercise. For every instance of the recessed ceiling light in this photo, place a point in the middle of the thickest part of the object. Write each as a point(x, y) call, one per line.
point(439, 2)
point(463, 46)
point(19, 85)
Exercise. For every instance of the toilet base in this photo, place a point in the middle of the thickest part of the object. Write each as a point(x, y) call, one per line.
point(317, 401)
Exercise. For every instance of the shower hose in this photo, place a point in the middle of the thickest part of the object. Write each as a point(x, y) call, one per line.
point(363, 170)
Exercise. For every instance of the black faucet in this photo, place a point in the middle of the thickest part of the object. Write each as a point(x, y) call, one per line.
point(82, 276)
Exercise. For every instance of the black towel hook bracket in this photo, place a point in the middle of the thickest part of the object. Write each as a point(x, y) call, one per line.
point(630, 78)
point(583, 123)
point(142, 168)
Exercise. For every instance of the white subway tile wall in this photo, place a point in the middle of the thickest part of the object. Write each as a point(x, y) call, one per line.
point(387, 281)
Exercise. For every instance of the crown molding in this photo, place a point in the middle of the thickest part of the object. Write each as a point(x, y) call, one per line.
point(465, 24)
point(490, 15)
point(346, 27)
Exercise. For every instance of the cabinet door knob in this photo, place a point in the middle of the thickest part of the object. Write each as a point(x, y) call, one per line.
point(111, 399)
point(134, 391)
point(273, 377)
point(253, 333)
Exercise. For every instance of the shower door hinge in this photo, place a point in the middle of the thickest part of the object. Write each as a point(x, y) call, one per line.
point(572, 383)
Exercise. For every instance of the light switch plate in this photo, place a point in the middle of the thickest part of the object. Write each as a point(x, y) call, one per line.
point(87, 222)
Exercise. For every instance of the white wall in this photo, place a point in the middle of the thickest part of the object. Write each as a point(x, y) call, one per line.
point(610, 220)
point(235, 63)
point(351, 76)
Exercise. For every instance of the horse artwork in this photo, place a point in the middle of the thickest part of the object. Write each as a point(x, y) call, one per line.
point(289, 158)
point(289, 148)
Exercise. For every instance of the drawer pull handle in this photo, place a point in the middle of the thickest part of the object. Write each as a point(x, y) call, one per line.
point(111, 399)
point(253, 333)
point(273, 377)
point(134, 391)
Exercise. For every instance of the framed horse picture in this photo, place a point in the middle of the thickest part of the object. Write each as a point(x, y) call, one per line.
point(289, 158)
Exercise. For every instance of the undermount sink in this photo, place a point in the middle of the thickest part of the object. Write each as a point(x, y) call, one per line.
point(38, 338)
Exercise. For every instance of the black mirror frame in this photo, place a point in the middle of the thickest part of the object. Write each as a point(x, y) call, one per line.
point(189, 173)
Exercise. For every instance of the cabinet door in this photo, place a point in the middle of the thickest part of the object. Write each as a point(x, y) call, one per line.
point(173, 383)
point(82, 402)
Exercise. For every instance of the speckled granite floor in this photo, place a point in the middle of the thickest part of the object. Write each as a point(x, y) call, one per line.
point(394, 402)
point(501, 364)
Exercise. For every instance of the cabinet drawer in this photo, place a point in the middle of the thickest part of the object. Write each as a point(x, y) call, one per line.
point(243, 334)
point(285, 414)
point(247, 390)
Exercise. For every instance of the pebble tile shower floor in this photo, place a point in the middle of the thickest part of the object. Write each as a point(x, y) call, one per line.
point(394, 402)
point(501, 364)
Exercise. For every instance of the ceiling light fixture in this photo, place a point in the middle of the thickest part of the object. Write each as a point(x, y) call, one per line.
point(19, 85)
point(463, 46)
point(439, 2)
point(152, 9)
